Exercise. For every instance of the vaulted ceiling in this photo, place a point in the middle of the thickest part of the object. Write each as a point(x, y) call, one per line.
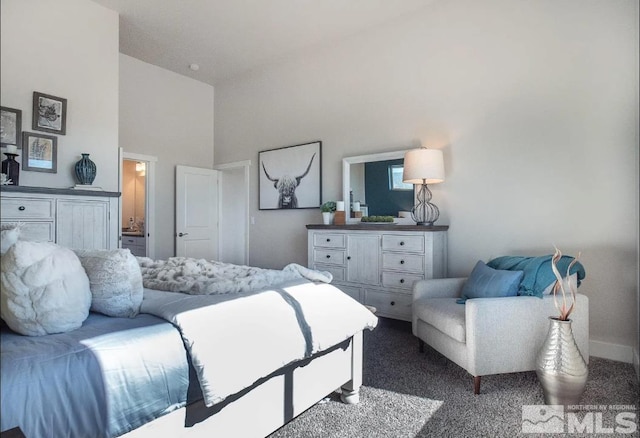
point(229, 37)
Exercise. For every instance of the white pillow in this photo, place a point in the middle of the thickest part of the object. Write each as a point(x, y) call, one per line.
point(44, 289)
point(115, 279)
point(10, 233)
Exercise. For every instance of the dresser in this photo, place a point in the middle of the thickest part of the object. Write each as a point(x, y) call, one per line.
point(378, 264)
point(79, 219)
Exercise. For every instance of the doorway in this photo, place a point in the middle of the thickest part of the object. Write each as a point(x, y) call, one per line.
point(137, 204)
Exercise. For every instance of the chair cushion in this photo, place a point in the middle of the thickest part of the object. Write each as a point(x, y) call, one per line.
point(486, 282)
point(444, 314)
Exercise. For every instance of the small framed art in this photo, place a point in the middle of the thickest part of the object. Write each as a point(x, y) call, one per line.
point(49, 113)
point(39, 152)
point(291, 177)
point(10, 126)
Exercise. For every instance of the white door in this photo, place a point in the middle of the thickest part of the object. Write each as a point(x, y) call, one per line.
point(233, 244)
point(196, 212)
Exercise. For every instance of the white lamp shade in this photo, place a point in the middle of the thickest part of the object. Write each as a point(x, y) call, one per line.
point(423, 166)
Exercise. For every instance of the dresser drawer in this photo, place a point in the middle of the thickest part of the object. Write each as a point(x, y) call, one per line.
point(403, 262)
point(27, 208)
point(336, 271)
point(325, 240)
point(400, 280)
point(133, 240)
point(394, 305)
point(408, 243)
point(353, 292)
point(328, 256)
point(36, 231)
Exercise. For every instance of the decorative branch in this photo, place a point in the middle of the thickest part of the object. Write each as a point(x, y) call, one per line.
point(560, 285)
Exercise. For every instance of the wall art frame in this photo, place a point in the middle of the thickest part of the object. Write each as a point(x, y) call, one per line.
point(10, 126)
point(290, 177)
point(39, 152)
point(49, 113)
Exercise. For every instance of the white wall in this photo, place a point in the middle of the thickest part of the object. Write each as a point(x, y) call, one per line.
point(168, 116)
point(67, 48)
point(535, 105)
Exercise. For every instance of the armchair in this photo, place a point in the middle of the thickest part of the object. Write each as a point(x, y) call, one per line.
point(488, 335)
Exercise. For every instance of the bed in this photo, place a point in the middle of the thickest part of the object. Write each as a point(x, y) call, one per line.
point(238, 364)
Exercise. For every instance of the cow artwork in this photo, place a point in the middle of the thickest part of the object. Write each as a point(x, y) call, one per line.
point(286, 186)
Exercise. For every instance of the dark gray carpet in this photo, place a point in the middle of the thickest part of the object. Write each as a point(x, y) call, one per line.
point(412, 394)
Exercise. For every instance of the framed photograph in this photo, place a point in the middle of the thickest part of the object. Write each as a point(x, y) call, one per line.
point(291, 177)
point(49, 113)
point(10, 126)
point(39, 152)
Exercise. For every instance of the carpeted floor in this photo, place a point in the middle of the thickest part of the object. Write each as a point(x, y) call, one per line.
point(412, 394)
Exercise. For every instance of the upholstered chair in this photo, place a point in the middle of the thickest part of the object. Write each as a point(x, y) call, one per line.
point(489, 335)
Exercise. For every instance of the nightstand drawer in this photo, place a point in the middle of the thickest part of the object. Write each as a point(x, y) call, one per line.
point(328, 256)
point(400, 280)
point(403, 262)
point(26, 208)
point(329, 240)
point(405, 243)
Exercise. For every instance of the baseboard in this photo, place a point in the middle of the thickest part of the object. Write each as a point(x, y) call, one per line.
point(617, 352)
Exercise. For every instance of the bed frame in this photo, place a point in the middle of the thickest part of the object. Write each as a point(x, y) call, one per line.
point(272, 401)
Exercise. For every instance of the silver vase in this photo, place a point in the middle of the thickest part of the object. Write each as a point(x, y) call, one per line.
point(560, 367)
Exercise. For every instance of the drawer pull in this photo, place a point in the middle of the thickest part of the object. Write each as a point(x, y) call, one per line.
point(402, 243)
point(328, 240)
point(328, 256)
point(348, 257)
point(401, 280)
point(22, 208)
point(402, 262)
point(393, 303)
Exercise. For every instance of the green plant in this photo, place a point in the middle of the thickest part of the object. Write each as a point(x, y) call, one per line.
point(328, 207)
point(562, 283)
point(377, 219)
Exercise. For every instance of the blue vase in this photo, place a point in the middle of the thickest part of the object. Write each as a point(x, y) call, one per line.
point(85, 170)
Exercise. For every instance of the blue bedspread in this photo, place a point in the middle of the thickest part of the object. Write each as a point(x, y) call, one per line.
point(76, 381)
point(537, 271)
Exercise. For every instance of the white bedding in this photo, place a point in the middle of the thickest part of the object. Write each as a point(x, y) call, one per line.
point(236, 339)
point(200, 277)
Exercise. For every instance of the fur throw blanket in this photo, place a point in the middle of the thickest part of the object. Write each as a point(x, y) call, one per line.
point(202, 277)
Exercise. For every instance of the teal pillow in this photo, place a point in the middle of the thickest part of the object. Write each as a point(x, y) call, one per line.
point(486, 282)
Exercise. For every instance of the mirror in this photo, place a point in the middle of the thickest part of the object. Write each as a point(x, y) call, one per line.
point(369, 179)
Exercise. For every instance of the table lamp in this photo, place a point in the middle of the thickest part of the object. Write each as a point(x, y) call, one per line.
point(424, 166)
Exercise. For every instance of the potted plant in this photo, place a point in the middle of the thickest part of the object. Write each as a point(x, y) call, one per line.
point(328, 209)
point(560, 367)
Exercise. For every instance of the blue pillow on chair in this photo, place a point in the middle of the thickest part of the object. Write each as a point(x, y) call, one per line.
point(486, 282)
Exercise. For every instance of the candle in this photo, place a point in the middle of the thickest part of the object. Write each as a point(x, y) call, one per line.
point(12, 149)
point(339, 205)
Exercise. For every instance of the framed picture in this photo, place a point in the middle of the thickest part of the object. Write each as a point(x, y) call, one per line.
point(291, 177)
point(39, 152)
point(49, 113)
point(10, 126)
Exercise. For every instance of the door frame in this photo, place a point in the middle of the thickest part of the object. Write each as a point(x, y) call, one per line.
point(246, 166)
point(150, 199)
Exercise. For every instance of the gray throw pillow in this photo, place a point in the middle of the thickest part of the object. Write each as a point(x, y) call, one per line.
point(115, 280)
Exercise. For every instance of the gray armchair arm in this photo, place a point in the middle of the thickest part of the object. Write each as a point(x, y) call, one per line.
point(438, 288)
